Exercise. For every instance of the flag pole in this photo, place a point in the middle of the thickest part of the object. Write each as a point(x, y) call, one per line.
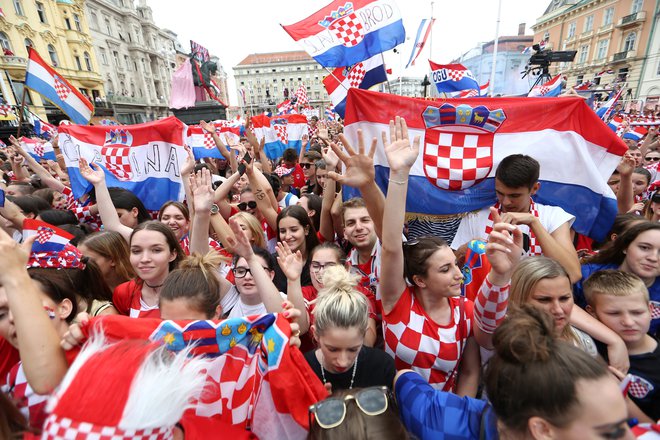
point(20, 114)
point(431, 36)
point(497, 36)
point(389, 89)
point(333, 75)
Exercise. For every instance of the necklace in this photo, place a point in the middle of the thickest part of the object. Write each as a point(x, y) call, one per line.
point(352, 375)
point(154, 287)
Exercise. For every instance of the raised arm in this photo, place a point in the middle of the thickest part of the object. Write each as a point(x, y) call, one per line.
point(221, 146)
point(401, 155)
point(13, 213)
point(326, 227)
point(649, 141)
point(625, 197)
point(202, 197)
point(261, 188)
point(94, 174)
point(292, 266)
point(303, 147)
point(45, 176)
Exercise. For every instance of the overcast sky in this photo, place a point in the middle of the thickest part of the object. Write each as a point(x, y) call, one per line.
point(231, 30)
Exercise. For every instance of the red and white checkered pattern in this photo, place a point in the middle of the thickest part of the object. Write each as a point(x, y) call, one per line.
point(282, 133)
point(39, 149)
point(415, 341)
point(455, 75)
point(6, 110)
point(456, 161)
point(62, 428)
point(31, 404)
point(61, 88)
point(655, 310)
point(117, 162)
point(356, 75)
point(44, 234)
point(348, 29)
point(208, 142)
point(639, 387)
point(534, 246)
point(490, 306)
point(301, 93)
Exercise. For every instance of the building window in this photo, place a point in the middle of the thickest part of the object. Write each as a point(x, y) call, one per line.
point(67, 23)
point(76, 20)
point(546, 37)
point(596, 80)
point(571, 30)
point(104, 56)
point(18, 7)
point(608, 16)
point(589, 23)
point(95, 20)
point(580, 79)
point(128, 63)
point(602, 49)
point(115, 55)
point(4, 42)
point(28, 44)
point(630, 41)
point(108, 27)
point(78, 64)
point(88, 61)
point(657, 72)
point(53, 55)
point(584, 54)
point(41, 12)
point(623, 74)
point(637, 6)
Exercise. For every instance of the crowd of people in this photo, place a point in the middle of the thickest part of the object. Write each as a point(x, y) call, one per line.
point(559, 342)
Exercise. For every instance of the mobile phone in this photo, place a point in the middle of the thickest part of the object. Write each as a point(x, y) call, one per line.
point(241, 167)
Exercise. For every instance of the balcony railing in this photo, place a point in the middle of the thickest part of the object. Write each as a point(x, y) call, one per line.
point(632, 19)
point(121, 99)
point(14, 61)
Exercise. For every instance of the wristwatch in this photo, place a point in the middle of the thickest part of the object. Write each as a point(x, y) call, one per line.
point(214, 209)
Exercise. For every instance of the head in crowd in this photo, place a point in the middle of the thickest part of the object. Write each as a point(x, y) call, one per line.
point(430, 264)
point(516, 180)
point(652, 208)
point(154, 251)
point(296, 229)
point(620, 300)
point(241, 184)
point(192, 290)
point(55, 199)
point(289, 157)
point(634, 151)
point(641, 179)
point(324, 256)
point(248, 203)
point(79, 232)
point(286, 177)
point(359, 228)
point(30, 205)
point(635, 251)
point(275, 182)
point(312, 204)
point(321, 173)
point(252, 228)
point(542, 387)
point(129, 208)
point(308, 165)
point(341, 318)
point(110, 252)
point(623, 222)
point(357, 425)
point(651, 157)
point(58, 217)
point(245, 284)
point(614, 182)
point(19, 189)
point(176, 216)
point(543, 283)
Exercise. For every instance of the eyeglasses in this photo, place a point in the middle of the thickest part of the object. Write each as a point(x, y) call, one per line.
point(240, 272)
point(652, 159)
point(330, 413)
point(317, 267)
point(306, 165)
point(245, 205)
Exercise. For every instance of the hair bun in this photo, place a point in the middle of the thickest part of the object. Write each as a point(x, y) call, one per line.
point(526, 336)
point(338, 279)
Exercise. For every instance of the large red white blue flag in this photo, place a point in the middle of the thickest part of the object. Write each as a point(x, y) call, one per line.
point(143, 158)
point(255, 381)
point(44, 80)
point(280, 132)
point(450, 78)
point(363, 75)
point(346, 32)
point(202, 142)
point(464, 140)
point(550, 89)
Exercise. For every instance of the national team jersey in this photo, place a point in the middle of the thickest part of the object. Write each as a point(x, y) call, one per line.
point(127, 299)
point(369, 271)
point(31, 404)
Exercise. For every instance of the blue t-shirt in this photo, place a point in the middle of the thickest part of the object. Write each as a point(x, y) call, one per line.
point(428, 413)
point(589, 268)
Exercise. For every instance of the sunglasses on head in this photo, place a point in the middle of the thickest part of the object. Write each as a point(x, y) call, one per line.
point(331, 412)
point(306, 165)
point(245, 205)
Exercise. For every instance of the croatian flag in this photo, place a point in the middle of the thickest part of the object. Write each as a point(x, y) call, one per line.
point(483, 91)
point(464, 140)
point(606, 110)
point(548, 90)
point(420, 40)
point(363, 75)
point(636, 133)
point(346, 32)
point(285, 107)
point(44, 129)
point(145, 158)
point(50, 239)
point(47, 82)
point(280, 132)
point(330, 113)
point(37, 149)
point(450, 78)
point(202, 142)
point(617, 124)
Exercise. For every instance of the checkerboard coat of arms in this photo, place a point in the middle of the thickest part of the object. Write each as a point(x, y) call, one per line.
point(115, 154)
point(458, 144)
point(345, 25)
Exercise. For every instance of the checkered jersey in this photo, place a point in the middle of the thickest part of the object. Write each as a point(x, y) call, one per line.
point(418, 343)
point(490, 306)
point(348, 30)
point(31, 404)
point(62, 428)
point(82, 213)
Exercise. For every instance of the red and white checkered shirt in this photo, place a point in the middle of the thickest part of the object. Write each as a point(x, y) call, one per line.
point(417, 342)
point(490, 306)
point(31, 404)
point(82, 213)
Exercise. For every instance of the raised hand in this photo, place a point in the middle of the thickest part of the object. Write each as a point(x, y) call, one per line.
point(331, 159)
point(323, 132)
point(627, 164)
point(189, 164)
point(16, 147)
point(202, 191)
point(304, 139)
point(401, 154)
point(75, 336)
point(504, 249)
point(209, 128)
point(291, 263)
point(239, 242)
point(91, 172)
point(359, 166)
point(14, 256)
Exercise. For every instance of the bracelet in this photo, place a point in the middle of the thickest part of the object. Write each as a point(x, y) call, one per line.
point(402, 182)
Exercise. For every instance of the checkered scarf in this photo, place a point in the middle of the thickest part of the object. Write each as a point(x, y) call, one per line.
point(60, 428)
point(534, 247)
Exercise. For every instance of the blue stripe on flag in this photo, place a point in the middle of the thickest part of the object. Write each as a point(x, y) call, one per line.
point(201, 152)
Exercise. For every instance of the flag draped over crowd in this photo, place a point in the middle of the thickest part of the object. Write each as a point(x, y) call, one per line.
point(346, 32)
point(143, 158)
point(463, 141)
point(256, 380)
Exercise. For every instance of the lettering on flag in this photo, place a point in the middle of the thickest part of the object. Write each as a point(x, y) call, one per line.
point(458, 144)
point(345, 25)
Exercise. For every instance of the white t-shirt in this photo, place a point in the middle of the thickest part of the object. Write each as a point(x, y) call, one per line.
point(288, 200)
point(238, 309)
point(473, 226)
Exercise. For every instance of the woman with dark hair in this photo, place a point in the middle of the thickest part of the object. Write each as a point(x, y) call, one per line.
point(312, 204)
point(58, 217)
point(177, 216)
point(636, 251)
point(539, 386)
point(55, 199)
point(295, 228)
point(109, 251)
point(129, 208)
point(30, 205)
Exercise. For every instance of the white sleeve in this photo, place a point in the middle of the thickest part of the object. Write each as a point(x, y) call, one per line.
point(472, 226)
point(552, 217)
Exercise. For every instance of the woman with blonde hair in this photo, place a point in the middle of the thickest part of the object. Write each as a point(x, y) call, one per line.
point(341, 319)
